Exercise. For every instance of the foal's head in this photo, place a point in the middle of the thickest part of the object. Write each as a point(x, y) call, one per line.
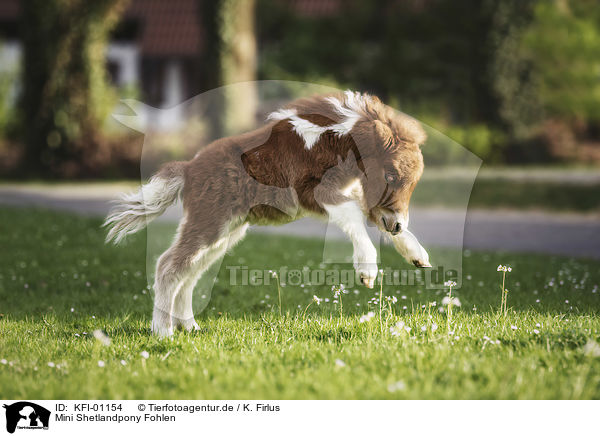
point(393, 166)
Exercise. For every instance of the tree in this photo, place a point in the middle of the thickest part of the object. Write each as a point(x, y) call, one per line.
point(230, 57)
point(66, 95)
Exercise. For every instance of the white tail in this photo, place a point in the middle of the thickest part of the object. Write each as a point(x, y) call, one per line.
point(134, 211)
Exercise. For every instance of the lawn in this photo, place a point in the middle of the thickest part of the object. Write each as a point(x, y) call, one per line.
point(59, 283)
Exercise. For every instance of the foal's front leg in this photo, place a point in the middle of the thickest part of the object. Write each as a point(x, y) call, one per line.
point(350, 219)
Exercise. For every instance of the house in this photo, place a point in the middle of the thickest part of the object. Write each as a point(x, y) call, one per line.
point(155, 48)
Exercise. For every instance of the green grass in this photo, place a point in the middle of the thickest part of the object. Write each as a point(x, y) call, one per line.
point(58, 281)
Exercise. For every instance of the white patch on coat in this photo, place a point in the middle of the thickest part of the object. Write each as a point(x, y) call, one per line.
point(354, 191)
point(351, 109)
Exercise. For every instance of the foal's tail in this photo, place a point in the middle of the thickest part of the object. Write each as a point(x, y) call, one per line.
point(134, 211)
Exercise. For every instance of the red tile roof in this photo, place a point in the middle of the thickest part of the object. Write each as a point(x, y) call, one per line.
point(168, 28)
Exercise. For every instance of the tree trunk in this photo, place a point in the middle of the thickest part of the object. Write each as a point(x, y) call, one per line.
point(65, 96)
point(230, 57)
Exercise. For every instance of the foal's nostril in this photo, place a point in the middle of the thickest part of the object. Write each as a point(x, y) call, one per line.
point(385, 226)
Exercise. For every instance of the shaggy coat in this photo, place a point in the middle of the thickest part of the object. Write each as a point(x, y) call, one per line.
point(345, 157)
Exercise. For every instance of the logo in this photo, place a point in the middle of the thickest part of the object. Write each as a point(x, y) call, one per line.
point(26, 415)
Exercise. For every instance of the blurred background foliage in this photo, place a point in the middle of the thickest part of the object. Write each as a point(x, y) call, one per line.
point(515, 81)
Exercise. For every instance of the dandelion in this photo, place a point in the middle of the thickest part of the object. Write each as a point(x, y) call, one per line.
point(145, 354)
point(102, 338)
point(101, 363)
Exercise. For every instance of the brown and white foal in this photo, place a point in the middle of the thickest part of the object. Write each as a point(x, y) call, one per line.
point(344, 157)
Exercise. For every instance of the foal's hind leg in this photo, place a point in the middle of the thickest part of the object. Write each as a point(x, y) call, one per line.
point(183, 315)
point(173, 269)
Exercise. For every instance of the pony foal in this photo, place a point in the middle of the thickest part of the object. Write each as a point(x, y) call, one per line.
point(344, 157)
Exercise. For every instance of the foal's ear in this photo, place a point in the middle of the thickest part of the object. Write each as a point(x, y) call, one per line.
point(384, 135)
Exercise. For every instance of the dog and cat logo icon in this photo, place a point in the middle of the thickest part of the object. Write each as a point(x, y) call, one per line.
point(26, 415)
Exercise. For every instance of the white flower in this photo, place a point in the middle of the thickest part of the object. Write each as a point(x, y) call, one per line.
point(317, 299)
point(123, 362)
point(454, 300)
point(3, 361)
point(536, 331)
point(367, 317)
point(51, 364)
point(504, 268)
point(398, 386)
point(514, 327)
point(449, 283)
point(340, 363)
point(396, 330)
point(424, 328)
point(102, 338)
point(101, 363)
point(592, 348)
point(145, 354)
point(434, 327)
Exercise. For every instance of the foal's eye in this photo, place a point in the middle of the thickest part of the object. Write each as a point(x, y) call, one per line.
point(391, 179)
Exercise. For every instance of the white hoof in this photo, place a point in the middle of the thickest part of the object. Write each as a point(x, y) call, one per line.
point(161, 323)
point(367, 272)
point(189, 325)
